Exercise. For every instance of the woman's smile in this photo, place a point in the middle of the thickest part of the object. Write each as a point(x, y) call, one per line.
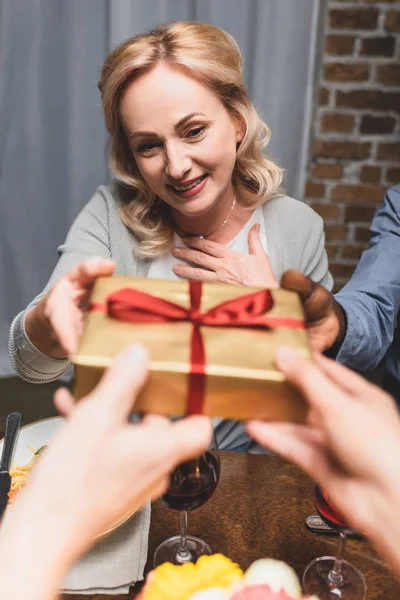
point(191, 188)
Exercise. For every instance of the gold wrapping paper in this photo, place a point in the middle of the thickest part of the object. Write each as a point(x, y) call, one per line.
point(241, 380)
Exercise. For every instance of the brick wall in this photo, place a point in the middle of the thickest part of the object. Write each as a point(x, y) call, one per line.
point(356, 126)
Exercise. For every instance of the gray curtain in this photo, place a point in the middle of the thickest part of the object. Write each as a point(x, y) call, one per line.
point(52, 139)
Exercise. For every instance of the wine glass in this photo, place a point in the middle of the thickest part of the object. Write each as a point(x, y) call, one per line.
point(331, 577)
point(192, 484)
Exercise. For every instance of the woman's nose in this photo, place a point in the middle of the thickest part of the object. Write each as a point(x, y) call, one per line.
point(177, 163)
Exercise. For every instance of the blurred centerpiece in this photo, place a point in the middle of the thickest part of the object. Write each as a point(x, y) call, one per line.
point(218, 578)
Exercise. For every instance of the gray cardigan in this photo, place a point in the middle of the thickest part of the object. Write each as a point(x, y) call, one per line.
point(295, 241)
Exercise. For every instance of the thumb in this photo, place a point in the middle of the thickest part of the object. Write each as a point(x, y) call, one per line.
point(255, 246)
point(86, 272)
point(256, 249)
point(121, 383)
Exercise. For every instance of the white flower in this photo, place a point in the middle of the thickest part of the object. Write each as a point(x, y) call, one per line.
point(275, 573)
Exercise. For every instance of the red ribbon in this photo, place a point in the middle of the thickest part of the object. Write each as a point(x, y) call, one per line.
point(135, 306)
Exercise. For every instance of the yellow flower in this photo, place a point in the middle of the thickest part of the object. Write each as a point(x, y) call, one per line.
point(172, 582)
point(216, 571)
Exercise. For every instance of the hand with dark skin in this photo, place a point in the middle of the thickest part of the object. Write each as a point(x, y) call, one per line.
point(324, 316)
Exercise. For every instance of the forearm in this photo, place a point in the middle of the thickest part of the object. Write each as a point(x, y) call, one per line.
point(371, 299)
point(368, 332)
point(34, 555)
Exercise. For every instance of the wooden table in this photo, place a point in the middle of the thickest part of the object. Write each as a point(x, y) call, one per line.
point(258, 510)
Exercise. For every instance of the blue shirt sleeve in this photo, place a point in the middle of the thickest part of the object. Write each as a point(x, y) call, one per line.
point(371, 299)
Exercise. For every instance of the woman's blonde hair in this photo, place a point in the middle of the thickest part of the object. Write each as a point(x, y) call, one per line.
point(212, 57)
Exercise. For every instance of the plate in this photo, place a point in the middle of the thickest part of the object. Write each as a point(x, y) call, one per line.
point(32, 437)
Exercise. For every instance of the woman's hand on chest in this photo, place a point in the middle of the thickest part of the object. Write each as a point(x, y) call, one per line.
point(211, 262)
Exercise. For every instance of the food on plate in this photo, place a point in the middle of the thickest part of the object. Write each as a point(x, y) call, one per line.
point(20, 475)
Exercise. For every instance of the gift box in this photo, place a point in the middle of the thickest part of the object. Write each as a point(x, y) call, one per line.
point(211, 346)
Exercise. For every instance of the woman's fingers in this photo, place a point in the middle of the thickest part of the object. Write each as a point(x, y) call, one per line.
point(253, 238)
point(64, 402)
point(195, 274)
point(197, 257)
point(64, 315)
point(86, 272)
point(65, 302)
point(206, 246)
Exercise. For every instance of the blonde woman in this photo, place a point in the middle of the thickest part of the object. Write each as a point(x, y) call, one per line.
point(194, 196)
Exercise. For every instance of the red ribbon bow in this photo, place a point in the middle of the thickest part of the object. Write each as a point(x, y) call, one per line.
point(135, 306)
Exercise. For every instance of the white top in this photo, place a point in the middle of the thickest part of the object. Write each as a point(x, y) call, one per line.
point(161, 267)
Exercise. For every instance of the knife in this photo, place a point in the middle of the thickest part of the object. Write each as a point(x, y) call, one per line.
point(13, 425)
point(316, 524)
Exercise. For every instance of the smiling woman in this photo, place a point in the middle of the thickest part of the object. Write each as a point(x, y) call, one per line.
point(194, 196)
point(188, 157)
point(184, 130)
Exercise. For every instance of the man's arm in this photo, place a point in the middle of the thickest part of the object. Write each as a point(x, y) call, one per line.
point(371, 299)
point(357, 325)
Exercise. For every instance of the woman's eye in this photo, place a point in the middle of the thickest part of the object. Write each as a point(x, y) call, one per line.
point(196, 132)
point(148, 148)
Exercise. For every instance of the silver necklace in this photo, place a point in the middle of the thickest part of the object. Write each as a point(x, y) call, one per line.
point(204, 237)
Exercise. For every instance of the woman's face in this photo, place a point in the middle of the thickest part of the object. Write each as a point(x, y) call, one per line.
point(182, 138)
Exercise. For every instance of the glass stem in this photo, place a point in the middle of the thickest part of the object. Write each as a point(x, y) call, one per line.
point(183, 554)
point(335, 576)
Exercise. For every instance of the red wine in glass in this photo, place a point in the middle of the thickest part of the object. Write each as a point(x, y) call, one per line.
point(331, 577)
point(193, 483)
point(328, 512)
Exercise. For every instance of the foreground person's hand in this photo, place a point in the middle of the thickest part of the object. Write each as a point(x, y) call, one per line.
point(350, 445)
point(325, 319)
point(55, 324)
point(97, 468)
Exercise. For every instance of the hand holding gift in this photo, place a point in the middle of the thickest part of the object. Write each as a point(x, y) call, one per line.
point(55, 324)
